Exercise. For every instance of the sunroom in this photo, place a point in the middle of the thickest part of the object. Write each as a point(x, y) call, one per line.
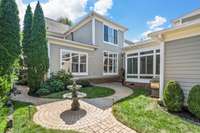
point(142, 62)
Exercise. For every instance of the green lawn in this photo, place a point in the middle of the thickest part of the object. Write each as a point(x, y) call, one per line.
point(92, 92)
point(143, 114)
point(22, 124)
point(3, 118)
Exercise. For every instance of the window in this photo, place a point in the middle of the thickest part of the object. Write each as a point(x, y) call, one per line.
point(74, 62)
point(158, 62)
point(110, 63)
point(141, 65)
point(146, 65)
point(110, 35)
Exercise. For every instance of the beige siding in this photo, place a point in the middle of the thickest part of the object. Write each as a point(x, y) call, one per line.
point(182, 62)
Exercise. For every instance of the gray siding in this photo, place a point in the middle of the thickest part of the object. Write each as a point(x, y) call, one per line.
point(95, 58)
point(182, 62)
point(95, 61)
point(83, 34)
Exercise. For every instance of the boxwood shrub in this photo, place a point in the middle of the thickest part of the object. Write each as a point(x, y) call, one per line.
point(194, 100)
point(173, 96)
point(83, 83)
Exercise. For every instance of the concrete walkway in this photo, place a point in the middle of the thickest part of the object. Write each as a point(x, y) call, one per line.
point(24, 97)
point(106, 102)
point(95, 115)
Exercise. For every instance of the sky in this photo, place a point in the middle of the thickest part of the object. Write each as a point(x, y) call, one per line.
point(139, 16)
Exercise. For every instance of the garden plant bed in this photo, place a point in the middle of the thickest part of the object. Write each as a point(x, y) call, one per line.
point(144, 114)
point(24, 124)
point(3, 118)
point(92, 92)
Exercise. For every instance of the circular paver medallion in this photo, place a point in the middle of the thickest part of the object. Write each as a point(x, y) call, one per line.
point(58, 115)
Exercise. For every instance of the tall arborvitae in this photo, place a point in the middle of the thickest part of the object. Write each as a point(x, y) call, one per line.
point(9, 43)
point(28, 18)
point(38, 52)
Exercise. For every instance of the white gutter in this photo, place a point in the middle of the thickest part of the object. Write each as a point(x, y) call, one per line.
point(69, 43)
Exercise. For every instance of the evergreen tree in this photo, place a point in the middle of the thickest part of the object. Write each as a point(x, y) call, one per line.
point(65, 21)
point(27, 33)
point(9, 44)
point(38, 62)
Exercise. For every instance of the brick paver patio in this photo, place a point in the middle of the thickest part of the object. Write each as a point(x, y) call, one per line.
point(95, 115)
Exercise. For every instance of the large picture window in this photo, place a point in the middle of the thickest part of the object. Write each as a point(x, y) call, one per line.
point(143, 65)
point(110, 35)
point(110, 63)
point(74, 62)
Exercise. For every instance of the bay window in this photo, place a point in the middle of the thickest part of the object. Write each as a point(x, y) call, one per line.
point(143, 64)
point(74, 62)
point(110, 63)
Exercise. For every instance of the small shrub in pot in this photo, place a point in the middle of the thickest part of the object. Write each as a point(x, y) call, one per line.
point(173, 96)
point(194, 101)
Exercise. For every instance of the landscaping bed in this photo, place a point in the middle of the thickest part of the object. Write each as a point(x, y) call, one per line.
point(92, 92)
point(23, 122)
point(3, 118)
point(145, 115)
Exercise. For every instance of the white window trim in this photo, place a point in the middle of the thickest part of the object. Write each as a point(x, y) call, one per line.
point(117, 71)
point(140, 80)
point(79, 53)
point(110, 43)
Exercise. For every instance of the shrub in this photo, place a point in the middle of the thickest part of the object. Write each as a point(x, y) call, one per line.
point(194, 100)
point(83, 83)
point(55, 85)
point(63, 76)
point(43, 91)
point(173, 96)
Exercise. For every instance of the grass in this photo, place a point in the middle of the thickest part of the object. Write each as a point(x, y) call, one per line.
point(92, 92)
point(144, 115)
point(24, 124)
point(3, 118)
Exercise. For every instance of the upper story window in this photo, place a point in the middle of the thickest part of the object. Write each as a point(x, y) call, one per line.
point(110, 35)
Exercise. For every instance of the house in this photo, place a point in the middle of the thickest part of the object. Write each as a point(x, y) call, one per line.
point(170, 54)
point(91, 49)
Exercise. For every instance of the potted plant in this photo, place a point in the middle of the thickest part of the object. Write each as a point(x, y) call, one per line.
point(155, 86)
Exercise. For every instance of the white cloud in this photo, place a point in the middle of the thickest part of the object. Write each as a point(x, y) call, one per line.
point(154, 25)
point(73, 9)
point(102, 6)
point(158, 21)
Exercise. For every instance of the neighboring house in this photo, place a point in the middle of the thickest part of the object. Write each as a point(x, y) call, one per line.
point(90, 49)
point(170, 54)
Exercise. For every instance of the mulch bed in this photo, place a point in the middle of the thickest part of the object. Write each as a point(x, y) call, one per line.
point(184, 114)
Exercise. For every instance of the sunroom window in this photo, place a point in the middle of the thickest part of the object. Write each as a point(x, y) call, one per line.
point(143, 65)
point(74, 62)
point(110, 63)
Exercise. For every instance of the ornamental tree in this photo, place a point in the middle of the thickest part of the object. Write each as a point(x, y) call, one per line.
point(27, 29)
point(9, 44)
point(38, 62)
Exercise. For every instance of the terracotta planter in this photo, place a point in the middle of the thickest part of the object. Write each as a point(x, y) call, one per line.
point(155, 89)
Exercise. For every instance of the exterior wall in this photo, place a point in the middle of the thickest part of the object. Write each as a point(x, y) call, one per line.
point(95, 58)
point(182, 62)
point(102, 46)
point(83, 35)
point(95, 61)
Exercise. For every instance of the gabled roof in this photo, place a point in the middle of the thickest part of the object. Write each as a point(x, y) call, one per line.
point(194, 12)
point(55, 27)
point(97, 16)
